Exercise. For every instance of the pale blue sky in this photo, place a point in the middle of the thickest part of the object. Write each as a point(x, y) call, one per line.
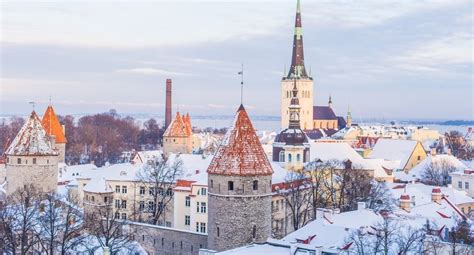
point(387, 59)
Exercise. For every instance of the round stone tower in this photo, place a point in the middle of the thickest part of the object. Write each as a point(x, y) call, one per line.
point(32, 158)
point(239, 182)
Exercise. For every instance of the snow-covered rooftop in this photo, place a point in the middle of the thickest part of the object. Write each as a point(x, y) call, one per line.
point(32, 140)
point(394, 149)
point(441, 160)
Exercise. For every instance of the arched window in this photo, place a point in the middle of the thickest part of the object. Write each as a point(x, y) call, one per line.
point(254, 232)
point(289, 158)
point(298, 157)
point(255, 185)
point(282, 156)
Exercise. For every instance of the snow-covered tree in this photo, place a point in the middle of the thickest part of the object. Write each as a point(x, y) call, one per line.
point(437, 172)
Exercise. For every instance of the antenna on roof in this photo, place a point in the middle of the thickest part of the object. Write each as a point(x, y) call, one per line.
point(32, 104)
point(241, 73)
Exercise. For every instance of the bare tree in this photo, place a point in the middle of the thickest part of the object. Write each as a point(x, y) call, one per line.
point(159, 177)
point(437, 172)
point(109, 232)
point(60, 224)
point(18, 220)
point(387, 232)
point(297, 196)
point(380, 198)
point(410, 240)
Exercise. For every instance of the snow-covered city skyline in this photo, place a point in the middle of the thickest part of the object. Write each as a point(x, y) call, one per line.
point(381, 58)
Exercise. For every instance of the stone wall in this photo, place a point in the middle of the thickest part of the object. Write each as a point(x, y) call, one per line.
point(235, 216)
point(41, 171)
point(168, 241)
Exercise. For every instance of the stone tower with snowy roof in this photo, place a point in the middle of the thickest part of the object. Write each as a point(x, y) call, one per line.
point(239, 182)
point(304, 81)
point(55, 129)
point(32, 158)
point(178, 136)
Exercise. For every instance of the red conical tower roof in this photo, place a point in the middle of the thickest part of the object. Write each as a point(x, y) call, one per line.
point(52, 126)
point(31, 140)
point(240, 153)
point(177, 128)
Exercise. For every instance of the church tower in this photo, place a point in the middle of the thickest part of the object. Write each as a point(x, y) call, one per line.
point(304, 82)
point(240, 189)
point(32, 158)
point(291, 146)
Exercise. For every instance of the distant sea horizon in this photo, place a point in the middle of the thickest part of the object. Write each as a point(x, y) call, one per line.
point(272, 123)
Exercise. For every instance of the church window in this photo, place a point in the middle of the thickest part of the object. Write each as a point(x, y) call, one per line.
point(289, 158)
point(254, 231)
point(255, 185)
point(230, 185)
point(18, 161)
point(298, 157)
point(34, 161)
point(282, 156)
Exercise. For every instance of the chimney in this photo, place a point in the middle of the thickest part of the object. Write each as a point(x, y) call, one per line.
point(436, 195)
point(405, 202)
point(168, 103)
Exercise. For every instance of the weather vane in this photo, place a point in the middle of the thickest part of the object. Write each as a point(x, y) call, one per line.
point(32, 104)
point(241, 73)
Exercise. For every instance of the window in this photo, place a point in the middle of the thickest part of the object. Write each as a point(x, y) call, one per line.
point(254, 232)
point(212, 184)
point(203, 207)
point(277, 205)
point(203, 191)
point(124, 189)
point(34, 161)
point(92, 198)
point(272, 206)
point(187, 201)
point(124, 216)
point(105, 200)
point(218, 231)
point(187, 220)
point(124, 204)
point(466, 185)
point(298, 157)
point(197, 206)
point(168, 224)
point(255, 185)
point(117, 215)
point(18, 161)
point(197, 226)
point(117, 203)
point(151, 206)
point(203, 227)
point(282, 156)
point(141, 205)
point(161, 191)
point(289, 158)
point(117, 189)
point(169, 192)
point(230, 185)
point(151, 191)
point(142, 190)
point(460, 184)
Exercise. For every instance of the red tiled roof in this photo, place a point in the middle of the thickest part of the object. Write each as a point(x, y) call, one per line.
point(31, 140)
point(177, 128)
point(184, 183)
point(52, 126)
point(241, 152)
point(187, 123)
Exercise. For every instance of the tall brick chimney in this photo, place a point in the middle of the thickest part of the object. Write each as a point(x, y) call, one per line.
point(168, 103)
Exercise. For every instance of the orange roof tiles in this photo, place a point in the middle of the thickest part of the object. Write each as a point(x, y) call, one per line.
point(187, 123)
point(241, 152)
point(177, 128)
point(52, 126)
